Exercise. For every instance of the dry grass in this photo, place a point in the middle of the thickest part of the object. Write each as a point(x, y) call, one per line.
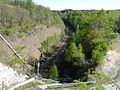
point(32, 41)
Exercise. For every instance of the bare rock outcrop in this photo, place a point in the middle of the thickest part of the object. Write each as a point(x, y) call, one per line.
point(9, 77)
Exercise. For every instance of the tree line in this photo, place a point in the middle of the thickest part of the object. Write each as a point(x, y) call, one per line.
point(93, 31)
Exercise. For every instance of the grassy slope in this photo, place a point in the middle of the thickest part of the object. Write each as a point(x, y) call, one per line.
point(26, 33)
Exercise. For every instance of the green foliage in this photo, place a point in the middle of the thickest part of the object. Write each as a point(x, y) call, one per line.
point(49, 44)
point(28, 85)
point(80, 52)
point(73, 38)
point(99, 47)
point(74, 54)
point(82, 86)
point(22, 15)
point(7, 31)
point(15, 61)
point(97, 56)
point(102, 77)
point(99, 44)
point(71, 52)
point(100, 87)
point(118, 86)
point(53, 72)
point(117, 26)
point(25, 28)
point(62, 33)
point(92, 30)
point(27, 4)
point(100, 80)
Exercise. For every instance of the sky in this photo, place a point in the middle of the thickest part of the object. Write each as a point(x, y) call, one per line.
point(80, 4)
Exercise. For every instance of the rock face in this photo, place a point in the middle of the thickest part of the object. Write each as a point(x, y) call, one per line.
point(9, 77)
point(111, 64)
point(110, 87)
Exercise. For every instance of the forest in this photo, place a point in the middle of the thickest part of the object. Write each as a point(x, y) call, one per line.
point(93, 31)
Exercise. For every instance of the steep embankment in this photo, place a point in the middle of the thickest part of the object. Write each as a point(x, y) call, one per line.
point(111, 64)
point(30, 42)
point(25, 26)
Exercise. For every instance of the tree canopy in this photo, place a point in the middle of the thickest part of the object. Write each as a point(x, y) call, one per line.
point(20, 16)
point(93, 31)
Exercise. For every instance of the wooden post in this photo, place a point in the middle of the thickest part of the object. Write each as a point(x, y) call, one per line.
point(14, 51)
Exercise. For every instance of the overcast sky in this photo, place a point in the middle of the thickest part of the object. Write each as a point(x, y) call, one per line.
point(79, 4)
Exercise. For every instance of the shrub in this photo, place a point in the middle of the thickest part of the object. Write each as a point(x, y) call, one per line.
point(97, 56)
point(53, 72)
point(7, 31)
